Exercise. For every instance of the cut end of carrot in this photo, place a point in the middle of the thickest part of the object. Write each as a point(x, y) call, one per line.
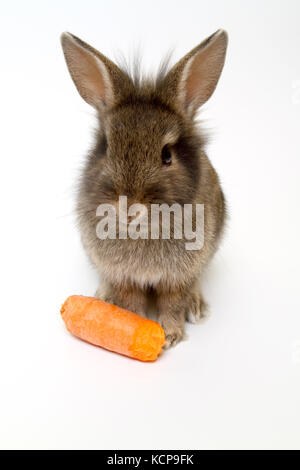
point(148, 342)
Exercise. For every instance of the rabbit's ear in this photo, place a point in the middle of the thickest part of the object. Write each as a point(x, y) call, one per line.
point(98, 80)
point(195, 76)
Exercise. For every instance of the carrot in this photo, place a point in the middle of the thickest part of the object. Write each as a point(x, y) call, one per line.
point(113, 328)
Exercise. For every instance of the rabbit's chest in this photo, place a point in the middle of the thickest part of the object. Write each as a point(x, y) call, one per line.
point(146, 263)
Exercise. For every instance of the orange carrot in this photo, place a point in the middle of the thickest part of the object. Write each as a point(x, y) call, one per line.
point(113, 328)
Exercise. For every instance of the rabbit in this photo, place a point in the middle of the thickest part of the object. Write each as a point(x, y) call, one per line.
point(149, 148)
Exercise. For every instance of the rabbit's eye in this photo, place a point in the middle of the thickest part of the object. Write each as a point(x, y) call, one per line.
point(166, 156)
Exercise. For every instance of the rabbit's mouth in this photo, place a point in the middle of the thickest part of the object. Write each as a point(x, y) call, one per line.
point(131, 212)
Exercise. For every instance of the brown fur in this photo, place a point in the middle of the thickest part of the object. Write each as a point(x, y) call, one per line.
point(136, 119)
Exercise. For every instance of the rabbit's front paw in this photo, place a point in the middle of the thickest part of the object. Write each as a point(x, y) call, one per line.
point(173, 336)
point(173, 333)
point(197, 309)
point(197, 312)
point(171, 316)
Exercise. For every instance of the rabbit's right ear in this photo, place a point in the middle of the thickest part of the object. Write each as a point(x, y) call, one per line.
point(98, 80)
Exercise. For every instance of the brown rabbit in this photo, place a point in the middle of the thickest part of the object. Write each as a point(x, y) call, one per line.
point(149, 149)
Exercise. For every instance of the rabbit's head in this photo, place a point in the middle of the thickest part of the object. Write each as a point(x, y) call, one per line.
point(147, 143)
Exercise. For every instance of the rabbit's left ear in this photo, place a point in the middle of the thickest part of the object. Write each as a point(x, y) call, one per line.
point(194, 78)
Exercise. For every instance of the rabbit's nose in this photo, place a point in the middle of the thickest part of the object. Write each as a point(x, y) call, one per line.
point(130, 218)
point(136, 212)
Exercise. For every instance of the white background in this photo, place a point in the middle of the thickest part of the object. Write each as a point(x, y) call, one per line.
point(235, 383)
